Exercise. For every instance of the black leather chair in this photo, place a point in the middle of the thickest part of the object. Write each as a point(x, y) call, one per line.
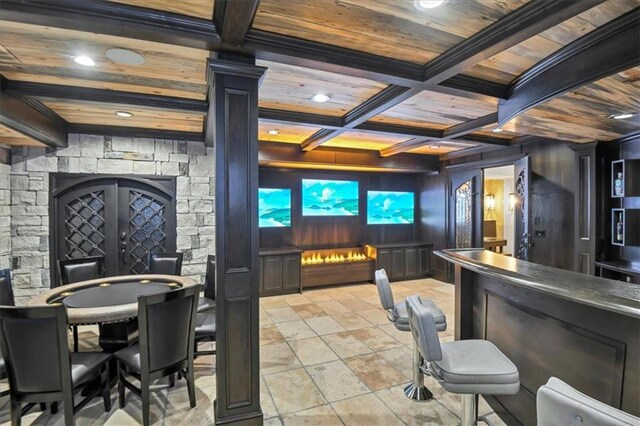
point(76, 270)
point(209, 299)
point(39, 366)
point(6, 299)
point(166, 324)
point(165, 263)
point(205, 330)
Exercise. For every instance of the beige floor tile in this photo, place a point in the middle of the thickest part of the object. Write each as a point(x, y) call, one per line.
point(337, 381)
point(374, 316)
point(333, 307)
point(296, 299)
point(345, 345)
point(318, 296)
point(376, 339)
point(270, 334)
point(365, 410)
point(375, 372)
point(273, 302)
point(401, 358)
point(351, 321)
point(403, 337)
point(324, 325)
point(273, 421)
point(283, 314)
point(294, 330)
point(318, 416)
point(357, 304)
point(312, 351)
point(266, 402)
point(309, 310)
point(276, 358)
point(294, 391)
point(428, 413)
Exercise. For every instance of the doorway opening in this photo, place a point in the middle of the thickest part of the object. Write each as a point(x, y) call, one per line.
point(499, 212)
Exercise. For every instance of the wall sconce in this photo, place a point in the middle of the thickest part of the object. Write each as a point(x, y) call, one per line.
point(490, 202)
point(512, 201)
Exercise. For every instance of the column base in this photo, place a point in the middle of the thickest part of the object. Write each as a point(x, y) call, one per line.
point(417, 393)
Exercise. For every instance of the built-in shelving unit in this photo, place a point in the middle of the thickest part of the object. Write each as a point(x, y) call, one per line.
point(630, 233)
point(630, 172)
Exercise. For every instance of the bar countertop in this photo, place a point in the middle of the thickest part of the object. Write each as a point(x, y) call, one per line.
point(614, 296)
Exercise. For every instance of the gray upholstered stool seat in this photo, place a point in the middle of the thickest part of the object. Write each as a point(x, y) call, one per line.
point(477, 367)
point(400, 317)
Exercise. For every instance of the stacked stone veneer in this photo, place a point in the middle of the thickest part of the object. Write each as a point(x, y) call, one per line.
point(5, 215)
point(191, 162)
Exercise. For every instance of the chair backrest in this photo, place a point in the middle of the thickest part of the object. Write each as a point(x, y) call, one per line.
point(210, 278)
point(35, 348)
point(560, 404)
point(384, 289)
point(423, 329)
point(80, 269)
point(490, 228)
point(6, 288)
point(165, 263)
point(166, 324)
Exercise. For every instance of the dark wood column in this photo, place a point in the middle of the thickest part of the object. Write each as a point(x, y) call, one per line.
point(233, 128)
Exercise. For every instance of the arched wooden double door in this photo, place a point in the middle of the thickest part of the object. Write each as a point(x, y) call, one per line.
point(122, 219)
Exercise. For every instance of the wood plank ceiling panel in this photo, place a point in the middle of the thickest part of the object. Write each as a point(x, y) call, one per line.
point(507, 65)
point(291, 88)
point(105, 114)
point(436, 110)
point(441, 147)
point(8, 136)
point(390, 28)
point(197, 8)
point(288, 133)
point(364, 140)
point(44, 54)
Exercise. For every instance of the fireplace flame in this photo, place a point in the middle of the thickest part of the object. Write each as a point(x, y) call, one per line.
point(318, 259)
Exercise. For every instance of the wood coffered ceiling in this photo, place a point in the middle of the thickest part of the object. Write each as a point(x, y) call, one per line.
point(400, 80)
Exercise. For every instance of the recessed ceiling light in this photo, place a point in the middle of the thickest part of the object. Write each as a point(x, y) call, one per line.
point(273, 132)
point(320, 98)
point(124, 56)
point(622, 116)
point(497, 130)
point(85, 61)
point(124, 114)
point(427, 4)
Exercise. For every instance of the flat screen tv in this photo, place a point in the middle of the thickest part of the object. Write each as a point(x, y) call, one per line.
point(389, 208)
point(274, 207)
point(329, 197)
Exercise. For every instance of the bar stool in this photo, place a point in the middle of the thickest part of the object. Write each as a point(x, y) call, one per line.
point(466, 367)
point(397, 314)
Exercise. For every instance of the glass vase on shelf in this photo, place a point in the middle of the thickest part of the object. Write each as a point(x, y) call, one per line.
point(618, 185)
point(619, 230)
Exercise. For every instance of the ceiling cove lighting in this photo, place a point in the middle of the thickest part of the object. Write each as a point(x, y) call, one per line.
point(273, 132)
point(320, 98)
point(427, 4)
point(622, 116)
point(124, 114)
point(84, 60)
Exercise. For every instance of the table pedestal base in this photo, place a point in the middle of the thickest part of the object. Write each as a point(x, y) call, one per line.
point(118, 335)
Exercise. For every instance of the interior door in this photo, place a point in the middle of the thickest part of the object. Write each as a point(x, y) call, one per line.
point(465, 209)
point(522, 181)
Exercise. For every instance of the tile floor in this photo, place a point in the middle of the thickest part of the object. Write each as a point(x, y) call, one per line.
point(328, 357)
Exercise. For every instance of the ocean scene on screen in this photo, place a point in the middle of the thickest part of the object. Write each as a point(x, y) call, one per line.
point(274, 207)
point(329, 197)
point(386, 207)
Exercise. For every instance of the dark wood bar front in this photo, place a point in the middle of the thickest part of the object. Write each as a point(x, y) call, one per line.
point(550, 322)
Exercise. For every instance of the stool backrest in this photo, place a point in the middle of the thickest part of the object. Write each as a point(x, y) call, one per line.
point(210, 278)
point(423, 329)
point(6, 288)
point(165, 263)
point(35, 348)
point(384, 289)
point(166, 325)
point(80, 269)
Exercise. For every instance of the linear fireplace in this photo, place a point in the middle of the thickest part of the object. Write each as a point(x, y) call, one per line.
point(335, 266)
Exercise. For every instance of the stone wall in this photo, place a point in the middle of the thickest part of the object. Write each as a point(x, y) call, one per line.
point(5, 210)
point(191, 162)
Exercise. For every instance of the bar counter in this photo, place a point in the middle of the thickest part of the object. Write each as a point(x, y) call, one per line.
point(582, 329)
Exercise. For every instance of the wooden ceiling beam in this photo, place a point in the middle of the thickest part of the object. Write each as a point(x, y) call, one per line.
point(320, 137)
point(609, 49)
point(233, 18)
point(84, 94)
point(405, 146)
point(470, 126)
point(139, 132)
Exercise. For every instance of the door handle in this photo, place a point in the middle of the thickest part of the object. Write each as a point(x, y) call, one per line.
point(123, 247)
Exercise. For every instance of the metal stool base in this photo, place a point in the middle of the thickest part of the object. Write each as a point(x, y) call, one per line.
point(416, 393)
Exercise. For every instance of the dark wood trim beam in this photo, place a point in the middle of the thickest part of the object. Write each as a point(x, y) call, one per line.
point(525, 22)
point(414, 143)
point(139, 132)
point(374, 127)
point(467, 84)
point(283, 153)
point(116, 19)
point(320, 137)
point(405, 146)
point(33, 120)
point(611, 48)
point(302, 118)
point(377, 104)
point(233, 19)
point(52, 91)
point(470, 126)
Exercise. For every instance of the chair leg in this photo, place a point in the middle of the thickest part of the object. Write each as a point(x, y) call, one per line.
point(75, 337)
point(15, 413)
point(416, 390)
point(469, 409)
point(67, 401)
point(191, 386)
point(43, 406)
point(106, 391)
point(172, 380)
point(120, 385)
point(54, 407)
point(144, 393)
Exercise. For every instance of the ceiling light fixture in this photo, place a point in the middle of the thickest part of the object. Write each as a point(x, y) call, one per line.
point(85, 61)
point(622, 116)
point(321, 98)
point(125, 114)
point(427, 4)
point(273, 132)
point(125, 57)
point(497, 130)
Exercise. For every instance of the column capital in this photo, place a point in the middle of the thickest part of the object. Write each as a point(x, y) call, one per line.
point(236, 68)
